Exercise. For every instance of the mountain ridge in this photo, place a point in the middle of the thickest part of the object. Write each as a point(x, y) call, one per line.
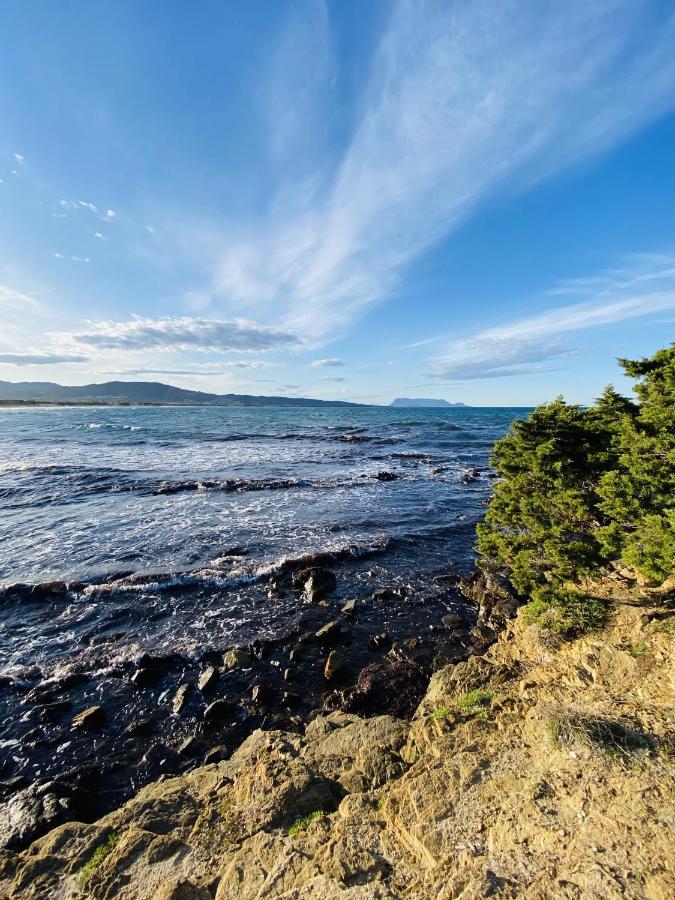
point(423, 402)
point(152, 392)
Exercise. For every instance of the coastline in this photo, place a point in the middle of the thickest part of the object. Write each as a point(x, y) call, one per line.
point(522, 772)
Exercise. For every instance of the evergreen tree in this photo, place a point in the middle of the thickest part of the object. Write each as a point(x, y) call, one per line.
point(580, 488)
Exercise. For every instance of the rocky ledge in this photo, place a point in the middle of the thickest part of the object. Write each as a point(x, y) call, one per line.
point(540, 769)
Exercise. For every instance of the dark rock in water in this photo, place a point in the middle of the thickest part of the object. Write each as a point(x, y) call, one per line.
point(329, 632)
point(180, 698)
point(384, 595)
point(334, 664)
point(238, 659)
point(32, 812)
point(92, 717)
point(188, 747)
point(290, 700)
point(207, 680)
point(316, 582)
point(144, 677)
point(447, 578)
point(218, 710)
point(395, 688)
point(10, 785)
point(386, 476)
point(349, 608)
point(469, 476)
point(452, 620)
point(380, 641)
point(139, 727)
point(262, 693)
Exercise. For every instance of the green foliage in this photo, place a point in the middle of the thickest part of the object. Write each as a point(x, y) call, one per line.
point(439, 713)
point(475, 703)
point(582, 487)
point(303, 824)
point(101, 852)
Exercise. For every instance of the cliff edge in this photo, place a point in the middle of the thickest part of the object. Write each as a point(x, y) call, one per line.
point(540, 769)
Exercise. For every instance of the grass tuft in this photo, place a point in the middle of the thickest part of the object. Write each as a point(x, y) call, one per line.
point(100, 853)
point(303, 824)
point(614, 738)
point(439, 714)
point(475, 703)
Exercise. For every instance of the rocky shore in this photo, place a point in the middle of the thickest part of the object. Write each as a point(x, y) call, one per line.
point(530, 767)
point(90, 737)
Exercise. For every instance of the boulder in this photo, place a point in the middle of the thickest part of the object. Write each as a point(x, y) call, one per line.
point(180, 698)
point(207, 680)
point(316, 582)
point(238, 659)
point(92, 717)
point(334, 664)
point(329, 632)
point(218, 711)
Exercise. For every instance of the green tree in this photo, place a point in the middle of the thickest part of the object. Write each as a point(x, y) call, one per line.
point(579, 488)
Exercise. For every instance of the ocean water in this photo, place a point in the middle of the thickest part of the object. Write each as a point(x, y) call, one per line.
point(143, 502)
point(173, 533)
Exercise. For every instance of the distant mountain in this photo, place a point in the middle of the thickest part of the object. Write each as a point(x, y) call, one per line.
point(422, 402)
point(125, 392)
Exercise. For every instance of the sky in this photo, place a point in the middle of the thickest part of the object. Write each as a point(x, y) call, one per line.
point(337, 199)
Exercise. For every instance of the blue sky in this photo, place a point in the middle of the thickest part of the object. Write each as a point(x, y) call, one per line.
point(469, 200)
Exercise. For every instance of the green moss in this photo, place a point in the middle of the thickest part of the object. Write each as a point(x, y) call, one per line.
point(303, 824)
point(439, 713)
point(475, 703)
point(100, 853)
point(638, 650)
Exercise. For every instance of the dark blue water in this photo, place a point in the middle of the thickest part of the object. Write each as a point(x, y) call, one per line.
point(151, 540)
point(92, 494)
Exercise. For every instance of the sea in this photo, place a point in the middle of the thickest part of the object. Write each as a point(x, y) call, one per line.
point(129, 533)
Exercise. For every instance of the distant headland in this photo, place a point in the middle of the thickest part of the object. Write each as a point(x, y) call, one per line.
point(151, 393)
point(422, 402)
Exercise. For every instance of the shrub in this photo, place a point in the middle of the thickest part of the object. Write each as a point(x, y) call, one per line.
point(303, 824)
point(580, 488)
point(99, 854)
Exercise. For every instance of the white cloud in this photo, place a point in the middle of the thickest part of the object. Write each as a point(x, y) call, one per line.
point(466, 101)
point(325, 363)
point(19, 158)
point(149, 229)
point(83, 259)
point(110, 214)
point(332, 379)
point(97, 234)
point(58, 255)
point(183, 333)
point(528, 344)
point(90, 206)
point(10, 297)
point(39, 359)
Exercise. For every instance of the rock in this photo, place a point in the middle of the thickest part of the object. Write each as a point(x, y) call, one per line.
point(262, 693)
point(92, 717)
point(316, 582)
point(218, 710)
point(349, 608)
point(182, 889)
point(447, 578)
point(238, 659)
point(393, 687)
point(451, 620)
point(207, 680)
point(334, 664)
point(469, 476)
point(146, 676)
point(180, 698)
point(216, 754)
point(329, 632)
point(383, 595)
point(386, 476)
point(380, 641)
point(290, 700)
point(188, 747)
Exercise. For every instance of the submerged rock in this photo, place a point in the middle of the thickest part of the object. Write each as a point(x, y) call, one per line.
point(315, 582)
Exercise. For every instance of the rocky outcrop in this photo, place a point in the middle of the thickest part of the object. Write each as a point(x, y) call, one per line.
point(540, 769)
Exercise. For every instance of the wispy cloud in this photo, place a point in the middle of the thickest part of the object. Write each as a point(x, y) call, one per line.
point(10, 297)
point(327, 363)
point(465, 101)
point(528, 345)
point(181, 333)
point(109, 215)
point(19, 157)
point(40, 359)
point(333, 379)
